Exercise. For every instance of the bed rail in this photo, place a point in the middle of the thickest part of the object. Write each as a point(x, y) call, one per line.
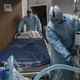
point(13, 73)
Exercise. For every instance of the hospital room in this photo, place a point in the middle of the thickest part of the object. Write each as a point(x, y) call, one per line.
point(39, 39)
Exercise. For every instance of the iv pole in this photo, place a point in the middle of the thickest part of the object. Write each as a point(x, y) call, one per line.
point(76, 10)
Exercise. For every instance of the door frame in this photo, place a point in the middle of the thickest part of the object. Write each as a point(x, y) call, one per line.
point(41, 5)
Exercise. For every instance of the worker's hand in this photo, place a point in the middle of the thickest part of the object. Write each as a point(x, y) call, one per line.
point(73, 50)
point(41, 34)
point(18, 34)
point(69, 60)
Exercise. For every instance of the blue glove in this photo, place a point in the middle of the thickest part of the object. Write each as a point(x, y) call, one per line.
point(73, 50)
point(69, 60)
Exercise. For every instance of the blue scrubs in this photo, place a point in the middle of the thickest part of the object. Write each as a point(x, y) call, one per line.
point(61, 37)
point(32, 23)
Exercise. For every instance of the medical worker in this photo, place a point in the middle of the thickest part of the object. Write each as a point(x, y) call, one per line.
point(32, 22)
point(60, 33)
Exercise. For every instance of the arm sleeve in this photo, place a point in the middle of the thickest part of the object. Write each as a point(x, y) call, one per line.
point(76, 29)
point(20, 26)
point(55, 42)
point(76, 23)
point(38, 23)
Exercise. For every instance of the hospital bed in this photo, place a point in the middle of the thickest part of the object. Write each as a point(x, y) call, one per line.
point(13, 74)
point(30, 51)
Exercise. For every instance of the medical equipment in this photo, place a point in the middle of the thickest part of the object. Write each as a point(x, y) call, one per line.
point(30, 51)
point(14, 74)
point(76, 10)
point(76, 6)
point(77, 57)
point(77, 42)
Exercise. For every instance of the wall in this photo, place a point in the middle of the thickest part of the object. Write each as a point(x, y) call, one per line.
point(65, 5)
point(9, 21)
point(24, 7)
point(41, 2)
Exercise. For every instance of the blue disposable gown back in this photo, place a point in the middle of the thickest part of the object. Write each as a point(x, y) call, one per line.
point(61, 38)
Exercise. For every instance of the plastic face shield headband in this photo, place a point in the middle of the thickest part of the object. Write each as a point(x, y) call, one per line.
point(28, 11)
point(54, 19)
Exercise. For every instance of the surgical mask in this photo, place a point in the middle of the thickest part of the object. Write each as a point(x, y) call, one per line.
point(29, 14)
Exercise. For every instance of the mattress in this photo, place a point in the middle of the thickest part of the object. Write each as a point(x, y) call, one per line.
point(27, 52)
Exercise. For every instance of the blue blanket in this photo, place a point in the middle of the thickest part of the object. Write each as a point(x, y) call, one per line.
point(28, 52)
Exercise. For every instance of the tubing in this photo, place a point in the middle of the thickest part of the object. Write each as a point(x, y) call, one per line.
point(55, 67)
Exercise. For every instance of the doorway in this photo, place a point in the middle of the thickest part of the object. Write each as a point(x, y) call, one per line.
point(41, 12)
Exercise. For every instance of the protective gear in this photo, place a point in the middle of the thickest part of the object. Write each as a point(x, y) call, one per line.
point(62, 37)
point(29, 12)
point(32, 23)
point(55, 13)
point(57, 21)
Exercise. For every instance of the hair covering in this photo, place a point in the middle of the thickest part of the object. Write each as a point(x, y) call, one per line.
point(29, 11)
point(55, 13)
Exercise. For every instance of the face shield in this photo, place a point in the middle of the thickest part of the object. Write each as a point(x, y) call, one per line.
point(55, 14)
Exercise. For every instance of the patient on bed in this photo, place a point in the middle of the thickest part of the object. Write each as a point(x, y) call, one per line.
point(30, 34)
point(29, 49)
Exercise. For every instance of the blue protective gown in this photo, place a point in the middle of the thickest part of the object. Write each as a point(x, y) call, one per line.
point(32, 23)
point(61, 38)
